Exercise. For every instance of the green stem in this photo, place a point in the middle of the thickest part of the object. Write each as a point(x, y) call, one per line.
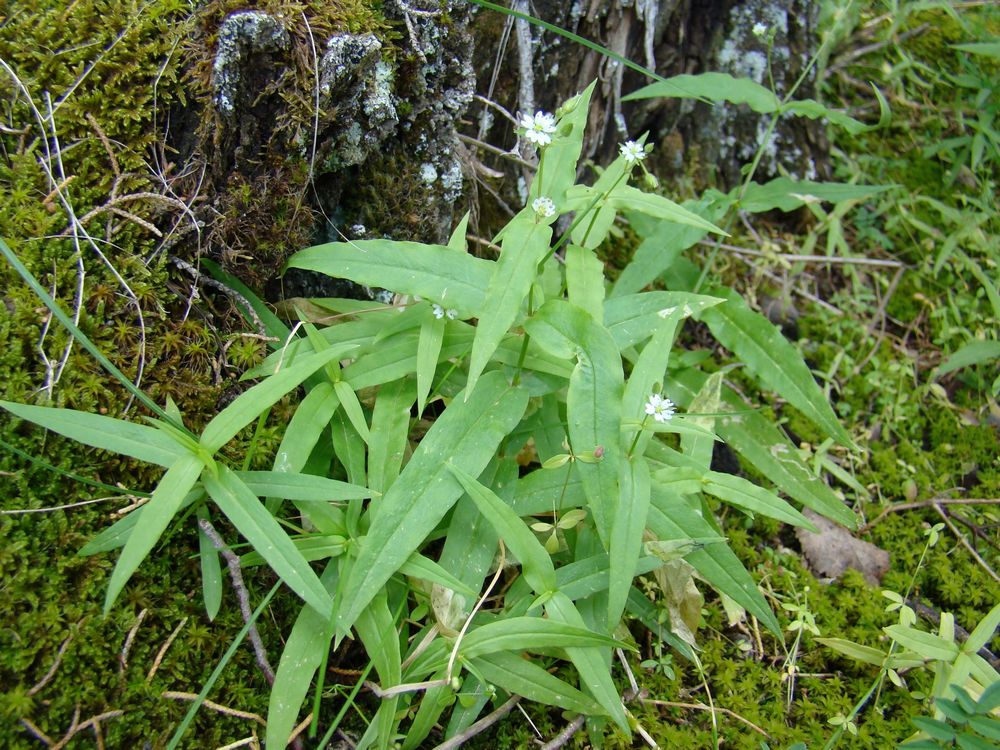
point(638, 435)
point(524, 341)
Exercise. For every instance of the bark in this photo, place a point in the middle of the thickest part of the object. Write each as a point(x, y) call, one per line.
point(362, 135)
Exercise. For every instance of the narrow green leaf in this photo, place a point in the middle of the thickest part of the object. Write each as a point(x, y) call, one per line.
point(983, 632)
point(633, 318)
point(627, 529)
point(939, 730)
point(301, 487)
point(585, 281)
point(560, 158)
point(389, 433)
point(865, 654)
point(670, 517)
point(814, 110)
point(968, 741)
point(130, 439)
point(648, 373)
point(773, 360)
point(594, 671)
point(593, 402)
point(660, 249)
point(426, 569)
point(715, 87)
point(467, 433)
point(377, 629)
point(117, 534)
point(435, 272)
point(471, 544)
point(551, 490)
point(989, 728)
point(627, 198)
point(211, 570)
point(522, 677)
point(787, 194)
point(428, 351)
point(273, 326)
point(516, 634)
point(301, 657)
point(708, 401)
point(525, 242)
point(258, 527)
point(928, 645)
point(974, 353)
point(250, 404)
point(536, 565)
point(156, 516)
point(352, 407)
point(747, 495)
point(765, 446)
point(457, 241)
point(311, 547)
point(349, 448)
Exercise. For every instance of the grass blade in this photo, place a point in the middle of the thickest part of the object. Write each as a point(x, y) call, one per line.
point(138, 441)
point(425, 490)
point(258, 527)
point(156, 516)
point(389, 433)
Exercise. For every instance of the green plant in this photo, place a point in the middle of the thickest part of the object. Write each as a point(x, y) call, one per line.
point(540, 415)
point(962, 722)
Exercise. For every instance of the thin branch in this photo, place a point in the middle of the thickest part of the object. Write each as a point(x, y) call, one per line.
point(965, 543)
point(163, 650)
point(703, 707)
point(928, 504)
point(480, 726)
point(218, 707)
point(236, 576)
point(55, 665)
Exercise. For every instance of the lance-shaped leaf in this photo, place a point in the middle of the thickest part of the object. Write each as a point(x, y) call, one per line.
point(536, 565)
point(627, 529)
point(769, 355)
point(301, 657)
point(525, 243)
point(117, 534)
point(156, 516)
point(585, 281)
point(130, 439)
point(252, 403)
point(390, 429)
point(467, 434)
point(671, 517)
point(788, 194)
point(767, 448)
point(435, 272)
point(633, 318)
point(558, 170)
point(303, 487)
point(428, 351)
point(522, 677)
point(517, 634)
point(658, 251)
point(593, 669)
point(258, 527)
point(715, 87)
point(211, 569)
point(377, 630)
point(747, 495)
point(593, 402)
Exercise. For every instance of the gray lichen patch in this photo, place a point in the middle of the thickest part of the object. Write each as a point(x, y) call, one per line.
point(241, 36)
point(357, 84)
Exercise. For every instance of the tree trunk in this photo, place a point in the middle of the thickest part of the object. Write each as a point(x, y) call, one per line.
point(367, 135)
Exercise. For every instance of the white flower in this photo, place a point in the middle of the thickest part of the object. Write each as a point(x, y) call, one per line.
point(538, 128)
point(543, 206)
point(759, 29)
point(632, 152)
point(440, 312)
point(659, 408)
